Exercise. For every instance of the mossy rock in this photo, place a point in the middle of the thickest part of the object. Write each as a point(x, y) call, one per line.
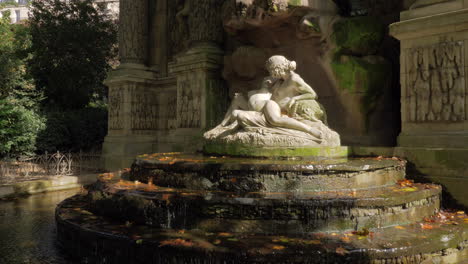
point(368, 76)
point(358, 35)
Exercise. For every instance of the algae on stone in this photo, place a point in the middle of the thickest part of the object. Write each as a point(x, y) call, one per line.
point(358, 35)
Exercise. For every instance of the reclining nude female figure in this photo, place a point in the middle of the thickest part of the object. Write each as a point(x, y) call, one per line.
point(278, 93)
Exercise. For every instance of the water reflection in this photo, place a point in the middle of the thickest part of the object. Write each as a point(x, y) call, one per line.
point(27, 229)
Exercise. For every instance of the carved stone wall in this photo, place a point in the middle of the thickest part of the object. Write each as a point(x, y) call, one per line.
point(144, 109)
point(133, 31)
point(205, 21)
point(436, 83)
point(189, 101)
point(116, 109)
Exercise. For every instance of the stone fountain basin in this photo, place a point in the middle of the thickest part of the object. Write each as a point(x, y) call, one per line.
point(265, 213)
point(199, 172)
point(98, 239)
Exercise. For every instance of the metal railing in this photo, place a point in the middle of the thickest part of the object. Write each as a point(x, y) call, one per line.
point(50, 165)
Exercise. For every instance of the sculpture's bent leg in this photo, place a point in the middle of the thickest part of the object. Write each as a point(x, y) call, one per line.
point(272, 113)
point(238, 103)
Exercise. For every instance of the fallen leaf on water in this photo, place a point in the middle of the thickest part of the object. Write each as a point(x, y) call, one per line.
point(176, 242)
point(460, 212)
point(278, 247)
point(400, 227)
point(363, 232)
point(341, 251)
point(225, 234)
point(313, 242)
point(139, 241)
point(217, 242)
point(346, 239)
point(233, 239)
point(182, 231)
point(426, 226)
point(428, 220)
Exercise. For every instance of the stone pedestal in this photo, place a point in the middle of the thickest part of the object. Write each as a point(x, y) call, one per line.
point(434, 88)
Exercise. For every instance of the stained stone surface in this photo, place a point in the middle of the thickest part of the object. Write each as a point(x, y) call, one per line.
point(265, 213)
point(223, 173)
point(98, 239)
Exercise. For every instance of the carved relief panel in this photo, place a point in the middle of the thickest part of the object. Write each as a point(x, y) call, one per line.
point(116, 108)
point(133, 31)
point(144, 114)
point(436, 89)
point(189, 102)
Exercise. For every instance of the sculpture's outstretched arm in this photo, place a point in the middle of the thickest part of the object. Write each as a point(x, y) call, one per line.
point(302, 88)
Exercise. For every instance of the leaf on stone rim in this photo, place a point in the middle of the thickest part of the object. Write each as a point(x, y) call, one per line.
point(341, 251)
point(176, 242)
point(278, 247)
point(426, 226)
point(400, 227)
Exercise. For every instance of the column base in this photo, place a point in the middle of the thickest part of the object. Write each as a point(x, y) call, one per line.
point(439, 140)
point(119, 152)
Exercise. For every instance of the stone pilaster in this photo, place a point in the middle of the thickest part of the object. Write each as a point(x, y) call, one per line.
point(133, 31)
point(433, 74)
point(434, 93)
point(133, 99)
point(201, 93)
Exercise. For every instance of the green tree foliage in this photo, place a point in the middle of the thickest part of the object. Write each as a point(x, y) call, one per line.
point(14, 44)
point(73, 130)
point(19, 128)
point(72, 44)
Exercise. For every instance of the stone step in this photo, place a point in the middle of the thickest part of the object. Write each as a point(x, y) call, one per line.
point(95, 239)
point(266, 213)
point(199, 172)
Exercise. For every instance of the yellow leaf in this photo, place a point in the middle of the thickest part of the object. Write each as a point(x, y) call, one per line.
point(277, 247)
point(341, 251)
point(400, 227)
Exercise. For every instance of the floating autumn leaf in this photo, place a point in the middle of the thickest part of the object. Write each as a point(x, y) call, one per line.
point(225, 234)
point(428, 220)
point(460, 212)
point(278, 247)
point(341, 251)
point(313, 242)
point(181, 231)
point(426, 226)
point(346, 239)
point(217, 242)
point(281, 239)
point(233, 180)
point(176, 242)
point(363, 232)
point(400, 227)
point(233, 239)
point(465, 220)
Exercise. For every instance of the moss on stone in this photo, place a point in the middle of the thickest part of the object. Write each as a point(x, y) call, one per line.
point(368, 76)
point(358, 35)
point(248, 151)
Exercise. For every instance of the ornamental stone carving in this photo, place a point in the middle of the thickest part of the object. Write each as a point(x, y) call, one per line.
point(436, 83)
point(133, 31)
